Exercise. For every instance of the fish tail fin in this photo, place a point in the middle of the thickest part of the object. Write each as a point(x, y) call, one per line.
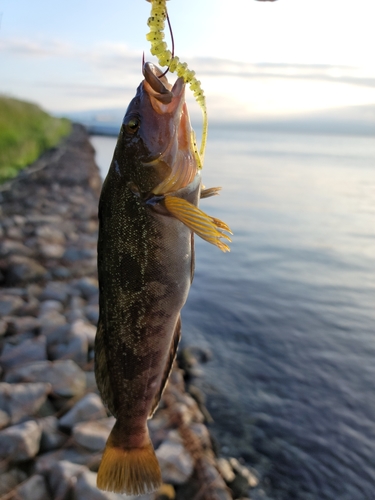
point(133, 471)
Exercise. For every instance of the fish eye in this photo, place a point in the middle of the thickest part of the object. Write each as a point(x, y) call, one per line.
point(132, 124)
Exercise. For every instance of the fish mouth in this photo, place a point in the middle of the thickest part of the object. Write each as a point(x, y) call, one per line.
point(161, 92)
point(178, 157)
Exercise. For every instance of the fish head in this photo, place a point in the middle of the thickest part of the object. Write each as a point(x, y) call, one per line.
point(155, 149)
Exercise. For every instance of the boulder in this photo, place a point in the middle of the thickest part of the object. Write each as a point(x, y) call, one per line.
point(90, 407)
point(20, 442)
point(93, 435)
point(175, 461)
point(10, 304)
point(85, 489)
point(22, 269)
point(30, 350)
point(20, 401)
point(52, 437)
point(66, 377)
point(62, 477)
point(34, 488)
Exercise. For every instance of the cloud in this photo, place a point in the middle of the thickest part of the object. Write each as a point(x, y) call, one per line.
point(319, 72)
point(117, 59)
point(90, 90)
point(34, 48)
point(54, 72)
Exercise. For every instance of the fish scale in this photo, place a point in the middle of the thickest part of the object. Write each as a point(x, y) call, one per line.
point(145, 269)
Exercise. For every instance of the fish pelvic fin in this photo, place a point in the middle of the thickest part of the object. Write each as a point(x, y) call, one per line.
point(132, 471)
point(207, 227)
point(168, 366)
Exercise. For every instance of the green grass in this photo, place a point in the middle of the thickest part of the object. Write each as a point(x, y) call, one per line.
point(26, 131)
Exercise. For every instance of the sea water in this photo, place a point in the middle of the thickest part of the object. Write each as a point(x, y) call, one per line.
point(289, 313)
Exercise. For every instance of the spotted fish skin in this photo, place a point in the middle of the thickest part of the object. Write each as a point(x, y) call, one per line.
point(145, 268)
point(145, 262)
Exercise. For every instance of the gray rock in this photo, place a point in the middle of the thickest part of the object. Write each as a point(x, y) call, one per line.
point(4, 418)
point(62, 477)
point(87, 287)
point(93, 435)
point(73, 254)
point(10, 247)
point(38, 218)
point(3, 327)
point(20, 442)
point(50, 233)
point(92, 313)
point(49, 321)
point(48, 306)
point(31, 307)
point(10, 304)
point(77, 302)
point(23, 270)
point(85, 489)
point(225, 470)
point(241, 470)
point(201, 431)
point(91, 382)
point(44, 463)
point(15, 233)
point(61, 273)
point(20, 401)
point(205, 483)
point(26, 352)
point(52, 437)
point(67, 379)
point(75, 348)
point(52, 250)
point(22, 324)
point(90, 407)
point(16, 291)
point(19, 220)
point(10, 479)
point(56, 334)
point(93, 300)
point(35, 488)
point(56, 290)
point(34, 291)
point(88, 331)
point(175, 462)
point(75, 315)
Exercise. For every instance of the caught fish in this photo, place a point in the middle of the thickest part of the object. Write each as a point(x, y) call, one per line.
point(148, 214)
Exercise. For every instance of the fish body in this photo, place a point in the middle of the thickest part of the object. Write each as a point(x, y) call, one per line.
point(145, 268)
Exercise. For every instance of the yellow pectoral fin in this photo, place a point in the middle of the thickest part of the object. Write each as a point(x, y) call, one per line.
point(208, 228)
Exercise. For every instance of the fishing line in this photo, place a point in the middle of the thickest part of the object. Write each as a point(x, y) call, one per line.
point(172, 40)
point(156, 23)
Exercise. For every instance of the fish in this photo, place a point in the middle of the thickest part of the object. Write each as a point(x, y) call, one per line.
point(148, 215)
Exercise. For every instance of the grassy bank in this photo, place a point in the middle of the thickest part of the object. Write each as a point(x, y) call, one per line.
point(26, 131)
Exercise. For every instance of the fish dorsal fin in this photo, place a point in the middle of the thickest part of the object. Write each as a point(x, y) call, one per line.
point(207, 227)
point(168, 366)
point(206, 193)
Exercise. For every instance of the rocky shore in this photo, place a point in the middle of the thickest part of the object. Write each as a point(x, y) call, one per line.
point(52, 420)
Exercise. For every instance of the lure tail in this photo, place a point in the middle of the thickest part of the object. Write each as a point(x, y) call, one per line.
point(133, 471)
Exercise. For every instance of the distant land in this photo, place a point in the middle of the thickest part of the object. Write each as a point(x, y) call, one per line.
point(354, 120)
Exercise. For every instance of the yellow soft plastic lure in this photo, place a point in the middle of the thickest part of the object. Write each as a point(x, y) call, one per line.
point(156, 23)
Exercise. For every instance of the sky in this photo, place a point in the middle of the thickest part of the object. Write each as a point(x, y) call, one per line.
point(255, 59)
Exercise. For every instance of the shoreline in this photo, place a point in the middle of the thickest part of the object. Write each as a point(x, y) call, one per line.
point(53, 423)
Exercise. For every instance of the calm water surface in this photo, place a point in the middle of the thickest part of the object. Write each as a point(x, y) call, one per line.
point(289, 312)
